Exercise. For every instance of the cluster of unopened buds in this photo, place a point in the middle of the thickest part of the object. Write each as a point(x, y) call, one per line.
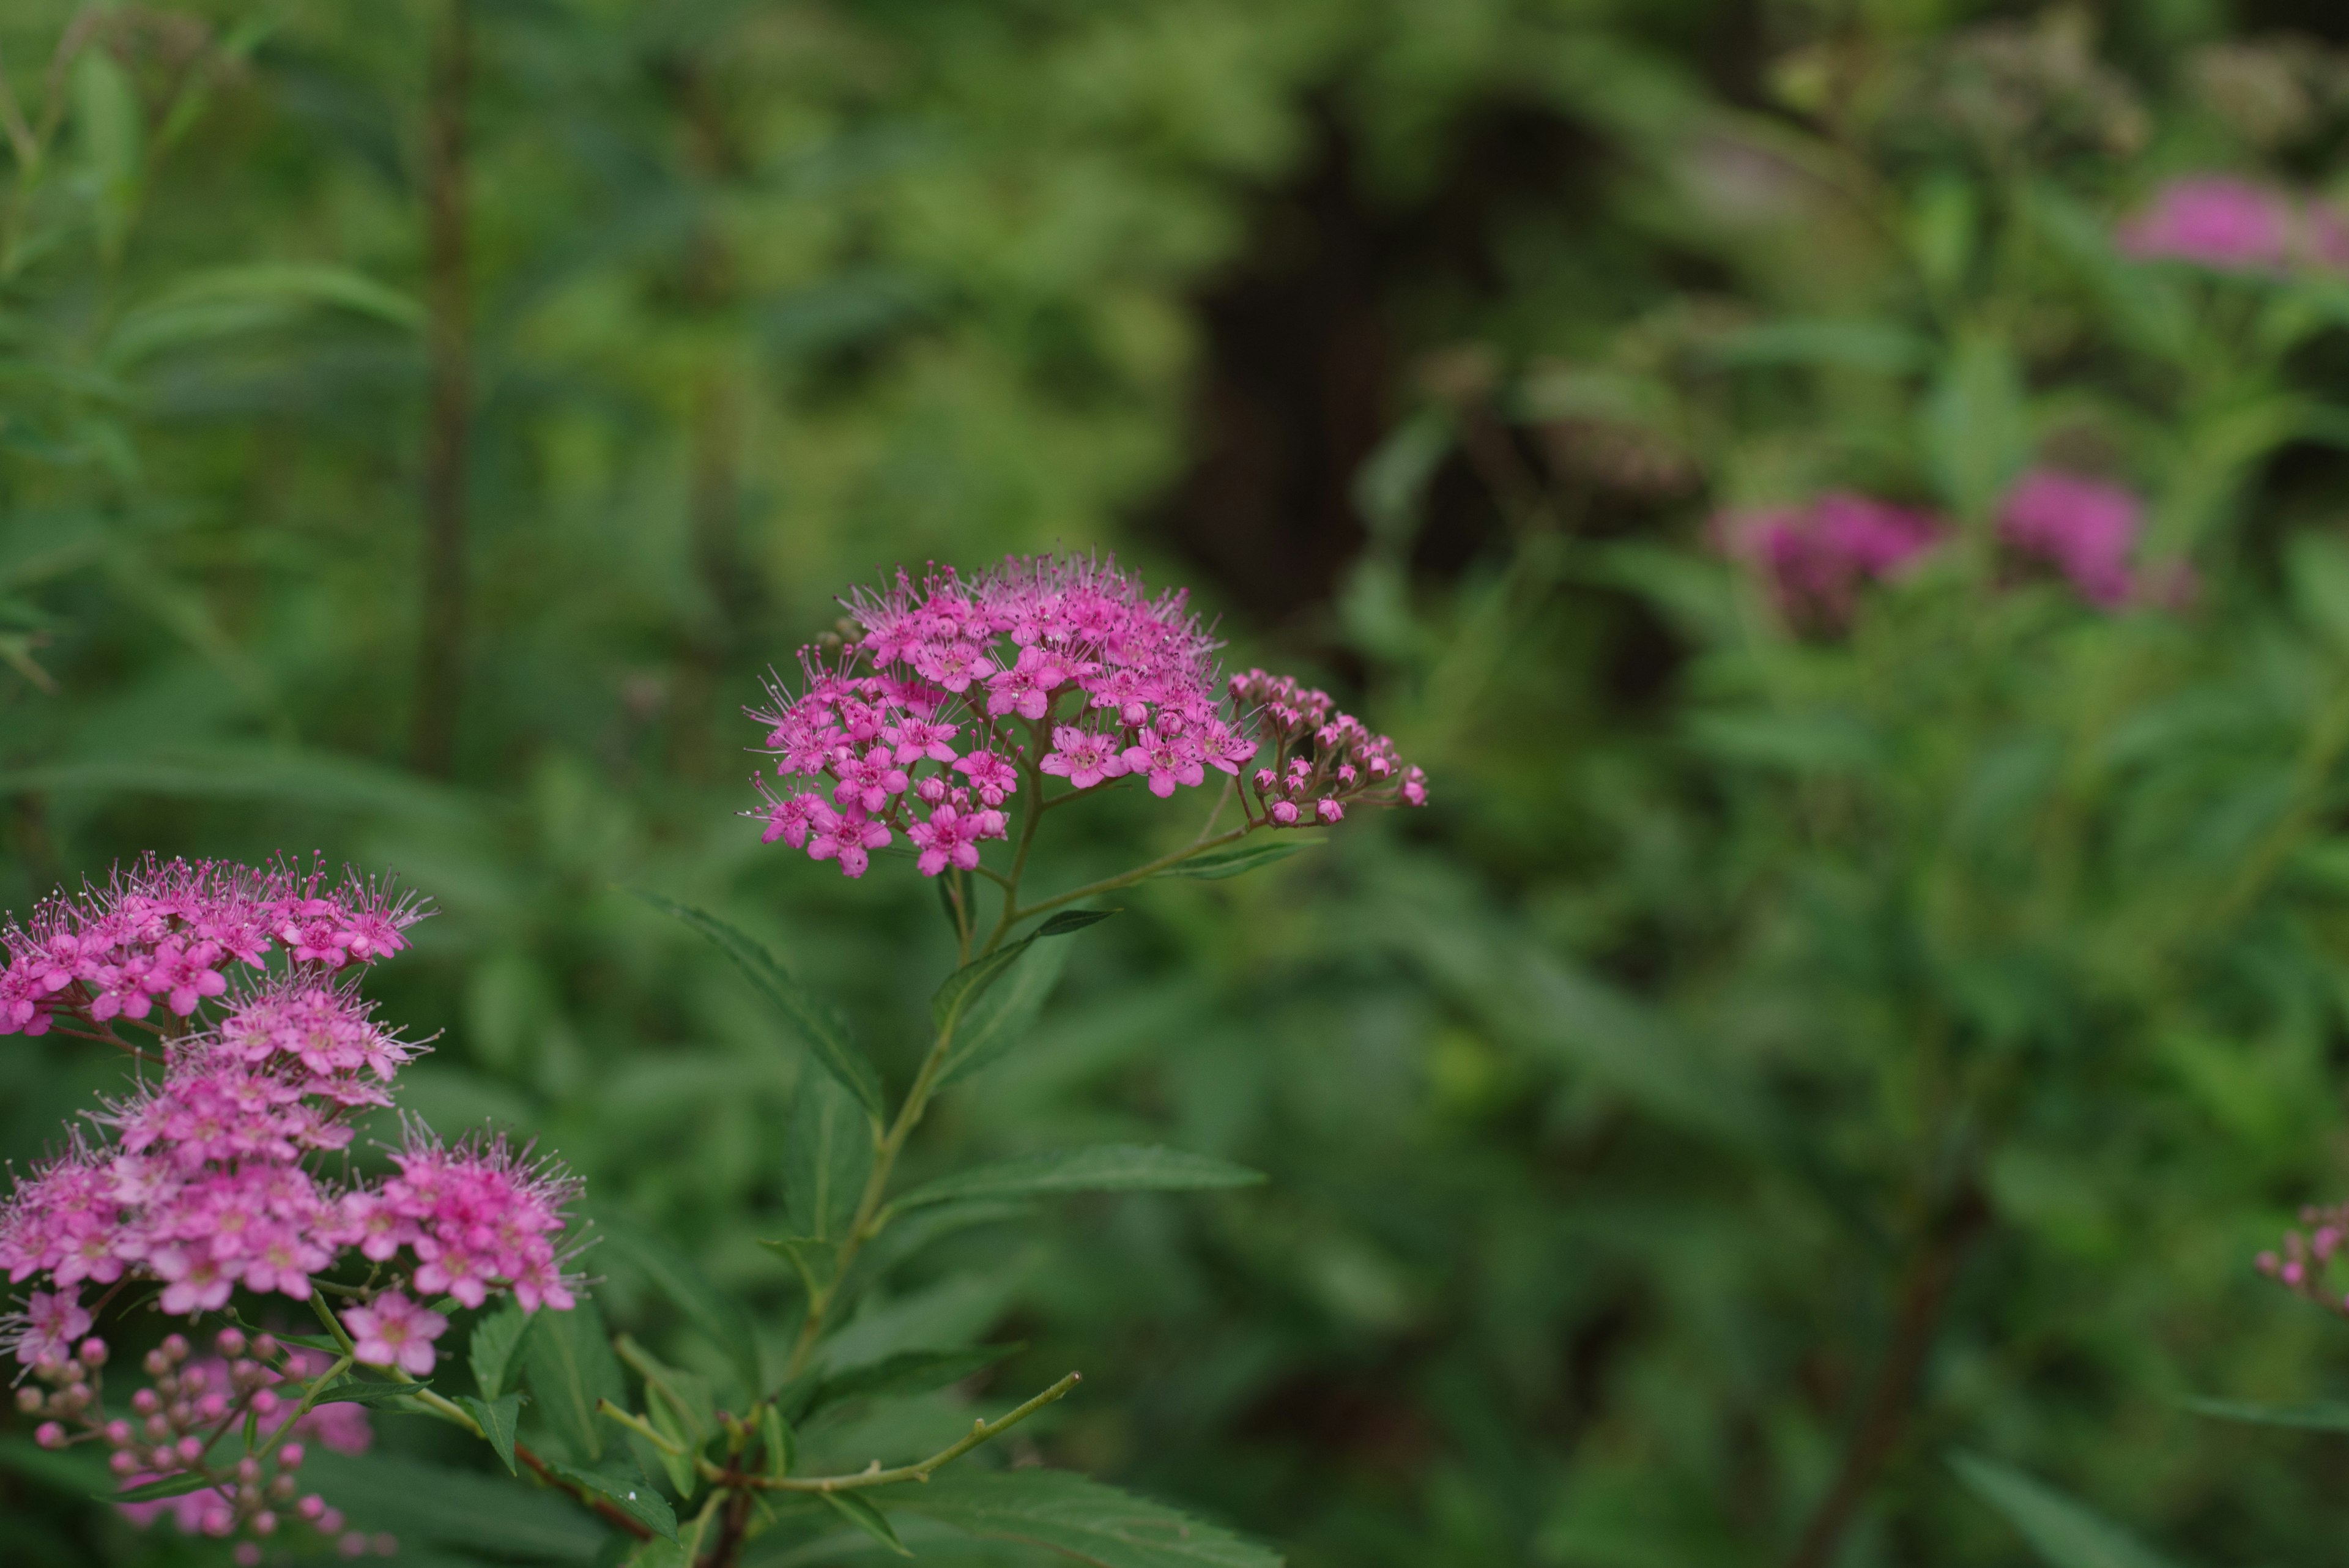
point(2306, 1259)
point(953, 692)
point(191, 1410)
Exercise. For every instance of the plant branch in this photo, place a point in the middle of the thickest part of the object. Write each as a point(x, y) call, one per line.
point(1924, 1290)
point(980, 1431)
point(1126, 880)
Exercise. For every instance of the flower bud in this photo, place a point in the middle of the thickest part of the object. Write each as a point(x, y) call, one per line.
point(217, 1521)
point(248, 1469)
point(28, 1399)
point(92, 1352)
point(156, 1426)
point(311, 1507)
point(122, 1462)
point(265, 1523)
point(190, 1449)
point(118, 1432)
point(230, 1342)
point(146, 1402)
point(290, 1456)
point(175, 1345)
point(265, 1346)
point(157, 1364)
point(248, 1553)
point(49, 1435)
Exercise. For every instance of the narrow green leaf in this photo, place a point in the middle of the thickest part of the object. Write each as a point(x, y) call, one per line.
point(353, 1392)
point(827, 1158)
point(811, 1259)
point(169, 1486)
point(778, 1440)
point(1004, 1015)
point(632, 1494)
point(824, 1031)
point(2309, 1416)
point(966, 985)
point(1083, 1519)
point(498, 1417)
point(908, 1371)
point(570, 1366)
point(1239, 860)
point(1068, 920)
point(495, 1342)
point(75, 1472)
point(2064, 1533)
point(1109, 1168)
point(706, 1308)
point(429, 1506)
point(866, 1518)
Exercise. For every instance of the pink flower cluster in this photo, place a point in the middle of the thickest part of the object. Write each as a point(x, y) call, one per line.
point(1323, 761)
point(206, 1182)
point(957, 690)
point(2304, 1264)
point(170, 931)
point(2233, 225)
point(1816, 558)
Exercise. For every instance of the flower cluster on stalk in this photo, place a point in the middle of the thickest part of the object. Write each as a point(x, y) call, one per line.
point(955, 693)
point(2304, 1263)
point(208, 1176)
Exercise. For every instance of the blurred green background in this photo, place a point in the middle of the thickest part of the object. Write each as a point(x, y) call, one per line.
point(420, 424)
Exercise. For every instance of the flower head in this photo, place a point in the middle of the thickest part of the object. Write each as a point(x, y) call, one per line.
point(2229, 224)
point(956, 690)
point(1815, 557)
point(2084, 528)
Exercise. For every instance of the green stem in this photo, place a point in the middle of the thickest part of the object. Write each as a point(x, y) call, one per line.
point(980, 1431)
point(1126, 880)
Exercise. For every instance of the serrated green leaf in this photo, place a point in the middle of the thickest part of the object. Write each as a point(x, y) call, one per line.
point(2307, 1415)
point(570, 1367)
point(1083, 1519)
point(2065, 1534)
point(908, 1371)
point(1109, 1168)
point(627, 1490)
point(866, 1518)
point(707, 1309)
point(827, 1159)
point(495, 1342)
point(498, 1418)
point(169, 1486)
point(1068, 920)
point(824, 1031)
point(1239, 860)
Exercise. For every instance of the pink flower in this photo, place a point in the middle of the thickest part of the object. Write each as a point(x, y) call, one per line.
point(847, 836)
point(47, 1328)
point(994, 778)
point(395, 1332)
point(1167, 761)
point(2083, 527)
point(2215, 220)
point(951, 837)
point(1084, 757)
point(1815, 556)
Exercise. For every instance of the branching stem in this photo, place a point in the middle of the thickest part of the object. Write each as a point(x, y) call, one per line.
point(980, 1431)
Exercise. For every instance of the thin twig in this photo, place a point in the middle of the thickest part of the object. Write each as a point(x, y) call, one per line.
point(980, 1431)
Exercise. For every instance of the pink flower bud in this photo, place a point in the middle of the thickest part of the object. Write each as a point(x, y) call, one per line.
point(122, 1462)
point(290, 1456)
point(49, 1435)
point(175, 1346)
point(92, 1353)
point(29, 1399)
point(311, 1507)
point(230, 1342)
point(265, 1346)
point(190, 1450)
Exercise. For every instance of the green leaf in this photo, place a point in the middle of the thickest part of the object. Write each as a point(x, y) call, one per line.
point(75, 1472)
point(1109, 1168)
point(225, 301)
point(811, 1259)
point(2317, 567)
point(429, 1505)
point(570, 1366)
point(681, 1407)
point(827, 1159)
point(1973, 429)
point(2064, 1533)
point(498, 1418)
point(780, 1443)
point(1004, 1016)
point(1239, 860)
point(628, 1491)
point(824, 1031)
point(866, 1518)
point(707, 1309)
point(2307, 1415)
point(496, 1340)
point(352, 1391)
point(170, 1486)
point(1084, 1519)
point(908, 1371)
point(968, 984)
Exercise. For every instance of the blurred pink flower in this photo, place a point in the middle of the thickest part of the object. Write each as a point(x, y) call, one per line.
point(1815, 556)
point(2233, 224)
point(2084, 528)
